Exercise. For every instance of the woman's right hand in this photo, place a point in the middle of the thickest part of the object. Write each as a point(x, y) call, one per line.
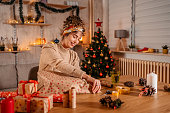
point(96, 85)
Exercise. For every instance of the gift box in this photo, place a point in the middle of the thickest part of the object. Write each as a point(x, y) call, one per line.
point(27, 87)
point(123, 90)
point(41, 103)
point(7, 94)
point(57, 97)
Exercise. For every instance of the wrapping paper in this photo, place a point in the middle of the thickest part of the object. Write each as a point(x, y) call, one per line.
point(41, 104)
point(152, 79)
point(123, 90)
point(57, 97)
point(27, 87)
point(7, 94)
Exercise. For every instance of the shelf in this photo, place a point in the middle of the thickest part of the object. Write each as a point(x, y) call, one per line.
point(13, 51)
point(28, 24)
point(52, 5)
point(131, 52)
point(37, 45)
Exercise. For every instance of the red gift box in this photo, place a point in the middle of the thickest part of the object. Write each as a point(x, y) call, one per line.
point(57, 97)
point(7, 94)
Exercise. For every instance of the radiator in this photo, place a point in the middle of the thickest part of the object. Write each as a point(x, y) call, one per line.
point(141, 68)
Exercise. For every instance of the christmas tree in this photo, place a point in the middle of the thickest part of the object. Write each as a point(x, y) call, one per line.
point(98, 61)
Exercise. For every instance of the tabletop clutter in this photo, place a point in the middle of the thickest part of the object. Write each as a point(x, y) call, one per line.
point(27, 98)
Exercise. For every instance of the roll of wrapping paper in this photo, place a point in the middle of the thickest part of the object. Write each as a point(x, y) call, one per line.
point(123, 90)
point(72, 97)
point(66, 99)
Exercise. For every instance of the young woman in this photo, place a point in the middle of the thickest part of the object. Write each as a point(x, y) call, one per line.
point(59, 65)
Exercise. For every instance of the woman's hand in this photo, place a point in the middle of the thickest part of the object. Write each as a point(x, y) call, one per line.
point(96, 86)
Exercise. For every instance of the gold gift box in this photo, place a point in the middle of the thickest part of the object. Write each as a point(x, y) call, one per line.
point(123, 90)
point(41, 104)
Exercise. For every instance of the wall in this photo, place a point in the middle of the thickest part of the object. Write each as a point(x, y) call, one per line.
point(119, 18)
point(27, 34)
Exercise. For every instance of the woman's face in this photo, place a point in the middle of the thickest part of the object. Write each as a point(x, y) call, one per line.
point(72, 39)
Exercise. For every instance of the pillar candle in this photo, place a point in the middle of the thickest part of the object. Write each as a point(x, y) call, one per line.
point(152, 79)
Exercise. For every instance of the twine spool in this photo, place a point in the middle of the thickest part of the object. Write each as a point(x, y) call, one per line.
point(66, 99)
point(72, 97)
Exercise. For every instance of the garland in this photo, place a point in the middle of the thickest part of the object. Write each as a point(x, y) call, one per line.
point(21, 11)
point(37, 4)
point(7, 3)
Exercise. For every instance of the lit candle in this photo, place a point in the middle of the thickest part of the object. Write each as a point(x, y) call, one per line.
point(9, 49)
point(115, 93)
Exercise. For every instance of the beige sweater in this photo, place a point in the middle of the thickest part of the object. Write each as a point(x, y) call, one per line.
point(55, 58)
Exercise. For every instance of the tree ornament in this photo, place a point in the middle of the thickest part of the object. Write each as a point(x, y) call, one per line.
point(101, 74)
point(92, 40)
point(94, 65)
point(94, 56)
point(99, 47)
point(107, 66)
point(85, 66)
point(89, 62)
point(101, 41)
point(97, 41)
point(111, 57)
point(106, 58)
point(91, 49)
point(86, 55)
point(111, 60)
point(109, 52)
point(105, 45)
point(101, 54)
point(98, 23)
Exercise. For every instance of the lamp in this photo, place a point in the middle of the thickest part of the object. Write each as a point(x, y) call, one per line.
point(121, 34)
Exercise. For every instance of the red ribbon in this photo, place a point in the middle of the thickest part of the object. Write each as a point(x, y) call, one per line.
point(29, 97)
point(25, 82)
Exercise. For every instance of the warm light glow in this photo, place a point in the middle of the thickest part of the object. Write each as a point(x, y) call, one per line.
point(9, 49)
point(115, 93)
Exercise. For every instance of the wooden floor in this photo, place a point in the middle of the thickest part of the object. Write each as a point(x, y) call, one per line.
point(89, 103)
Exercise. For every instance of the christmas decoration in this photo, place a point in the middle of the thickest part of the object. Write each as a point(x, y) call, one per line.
point(42, 5)
point(129, 84)
point(99, 55)
point(123, 90)
point(107, 101)
point(142, 82)
point(167, 88)
point(106, 84)
point(147, 91)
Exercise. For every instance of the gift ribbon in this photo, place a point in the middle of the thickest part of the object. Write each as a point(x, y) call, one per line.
point(25, 82)
point(29, 97)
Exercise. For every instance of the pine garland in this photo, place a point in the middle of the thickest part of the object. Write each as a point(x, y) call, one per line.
point(7, 3)
point(37, 4)
point(21, 11)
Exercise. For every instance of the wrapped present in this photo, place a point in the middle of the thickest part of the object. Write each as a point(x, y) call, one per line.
point(27, 87)
point(7, 94)
point(57, 97)
point(40, 103)
point(123, 90)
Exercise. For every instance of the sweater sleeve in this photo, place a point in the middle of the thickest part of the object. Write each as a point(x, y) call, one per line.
point(52, 61)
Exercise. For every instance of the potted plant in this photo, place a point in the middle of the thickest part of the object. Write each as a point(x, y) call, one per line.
point(131, 47)
point(165, 49)
point(2, 45)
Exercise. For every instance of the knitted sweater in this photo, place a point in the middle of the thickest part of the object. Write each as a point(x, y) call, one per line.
point(55, 58)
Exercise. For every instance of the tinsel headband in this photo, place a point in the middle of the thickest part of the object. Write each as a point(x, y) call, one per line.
point(72, 29)
point(73, 23)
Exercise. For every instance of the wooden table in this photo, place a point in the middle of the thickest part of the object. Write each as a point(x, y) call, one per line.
point(89, 103)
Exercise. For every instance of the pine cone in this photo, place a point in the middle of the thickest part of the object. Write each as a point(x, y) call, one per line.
point(129, 84)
